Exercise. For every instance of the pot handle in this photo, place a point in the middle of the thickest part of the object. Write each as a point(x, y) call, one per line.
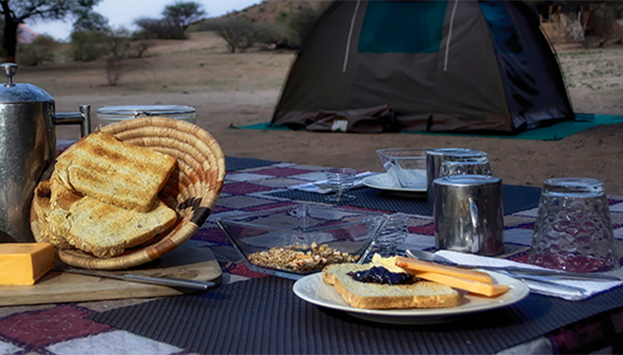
point(83, 118)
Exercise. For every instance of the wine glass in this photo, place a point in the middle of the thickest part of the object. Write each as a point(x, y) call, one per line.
point(340, 180)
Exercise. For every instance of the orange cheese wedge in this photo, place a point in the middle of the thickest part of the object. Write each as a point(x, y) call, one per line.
point(481, 288)
point(24, 263)
point(416, 265)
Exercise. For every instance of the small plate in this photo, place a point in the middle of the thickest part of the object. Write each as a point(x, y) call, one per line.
point(313, 290)
point(386, 183)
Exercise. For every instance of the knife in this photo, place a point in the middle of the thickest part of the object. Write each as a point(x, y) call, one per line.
point(423, 255)
point(154, 280)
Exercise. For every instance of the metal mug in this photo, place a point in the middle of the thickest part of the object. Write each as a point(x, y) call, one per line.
point(469, 214)
point(434, 159)
point(27, 148)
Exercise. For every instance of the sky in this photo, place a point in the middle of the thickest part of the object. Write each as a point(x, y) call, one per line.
point(124, 12)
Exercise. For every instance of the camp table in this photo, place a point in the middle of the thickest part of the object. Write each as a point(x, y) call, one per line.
point(251, 313)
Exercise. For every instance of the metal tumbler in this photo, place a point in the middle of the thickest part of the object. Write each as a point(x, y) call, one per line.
point(468, 214)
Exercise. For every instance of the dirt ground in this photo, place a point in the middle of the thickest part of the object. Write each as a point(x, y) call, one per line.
point(231, 90)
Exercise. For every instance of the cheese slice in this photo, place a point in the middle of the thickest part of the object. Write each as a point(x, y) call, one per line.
point(24, 263)
point(388, 263)
point(416, 265)
point(481, 288)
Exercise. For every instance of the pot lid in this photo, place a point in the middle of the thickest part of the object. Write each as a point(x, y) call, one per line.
point(11, 93)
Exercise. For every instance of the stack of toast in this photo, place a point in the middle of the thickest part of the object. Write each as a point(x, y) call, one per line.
point(102, 197)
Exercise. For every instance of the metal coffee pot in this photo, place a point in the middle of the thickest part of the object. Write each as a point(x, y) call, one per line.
point(27, 147)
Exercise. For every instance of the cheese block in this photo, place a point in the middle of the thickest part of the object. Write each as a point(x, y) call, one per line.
point(24, 263)
point(481, 288)
point(426, 266)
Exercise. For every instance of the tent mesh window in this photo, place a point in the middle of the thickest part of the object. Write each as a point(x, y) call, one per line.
point(402, 27)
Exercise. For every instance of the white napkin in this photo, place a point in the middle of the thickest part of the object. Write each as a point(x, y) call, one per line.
point(321, 187)
point(591, 287)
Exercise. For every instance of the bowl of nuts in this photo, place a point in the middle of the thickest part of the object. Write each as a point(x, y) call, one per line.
point(299, 240)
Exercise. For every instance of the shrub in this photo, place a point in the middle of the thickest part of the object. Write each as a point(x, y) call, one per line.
point(277, 35)
point(161, 29)
point(87, 45)
point(240, 34)
point(117, 45)
point(140, 44)
point(302, 21)
point(39, 51)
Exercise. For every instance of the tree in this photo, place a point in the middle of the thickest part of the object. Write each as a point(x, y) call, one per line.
point(183, 14)
point(116, 43)
point(91, 22)
point(160, 28)
point(16, 12)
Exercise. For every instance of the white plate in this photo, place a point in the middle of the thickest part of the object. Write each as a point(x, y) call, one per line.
point(385, 182)
point(313, 290)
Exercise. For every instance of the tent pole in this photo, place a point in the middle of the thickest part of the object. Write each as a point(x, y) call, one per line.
point(445, 62)
point(350, 35)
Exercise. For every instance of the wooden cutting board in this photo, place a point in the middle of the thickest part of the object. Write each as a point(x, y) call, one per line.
point(188, 261)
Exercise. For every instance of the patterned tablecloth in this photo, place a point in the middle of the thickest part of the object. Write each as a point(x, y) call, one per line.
point(66, 328)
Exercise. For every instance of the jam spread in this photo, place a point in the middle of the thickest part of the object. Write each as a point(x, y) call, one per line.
point(380, 275)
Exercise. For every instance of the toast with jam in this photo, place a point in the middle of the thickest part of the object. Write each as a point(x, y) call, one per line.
point(360, 293)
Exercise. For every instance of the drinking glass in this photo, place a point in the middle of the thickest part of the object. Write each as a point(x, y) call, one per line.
point(465, 165)
point(392, 235)
point(340, 180)
point(573, 231)
point(436, 157)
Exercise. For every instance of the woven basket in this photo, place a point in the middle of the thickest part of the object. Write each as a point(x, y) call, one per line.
point(192, 190)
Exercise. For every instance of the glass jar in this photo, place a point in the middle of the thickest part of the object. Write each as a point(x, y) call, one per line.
point(114, 114)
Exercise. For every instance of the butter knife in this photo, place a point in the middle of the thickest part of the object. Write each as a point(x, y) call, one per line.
point(154, 280)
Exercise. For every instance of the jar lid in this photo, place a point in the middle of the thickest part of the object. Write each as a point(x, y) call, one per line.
point(117, 113)
point(11, 93)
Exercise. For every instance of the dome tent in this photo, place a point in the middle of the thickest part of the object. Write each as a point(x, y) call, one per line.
point(438, 65)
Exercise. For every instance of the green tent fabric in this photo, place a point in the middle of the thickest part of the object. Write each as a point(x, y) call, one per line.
point(557, 131)
point(477, 66)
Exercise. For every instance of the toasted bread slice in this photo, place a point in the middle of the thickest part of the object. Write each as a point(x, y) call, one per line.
point(113, 172)
point(106, 230)
point(422, 294)
point(43, 208)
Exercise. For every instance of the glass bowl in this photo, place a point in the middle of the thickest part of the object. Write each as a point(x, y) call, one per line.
point(407, 166)
point(299, 240)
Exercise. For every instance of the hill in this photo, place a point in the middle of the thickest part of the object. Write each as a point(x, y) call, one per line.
point(275, 10)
